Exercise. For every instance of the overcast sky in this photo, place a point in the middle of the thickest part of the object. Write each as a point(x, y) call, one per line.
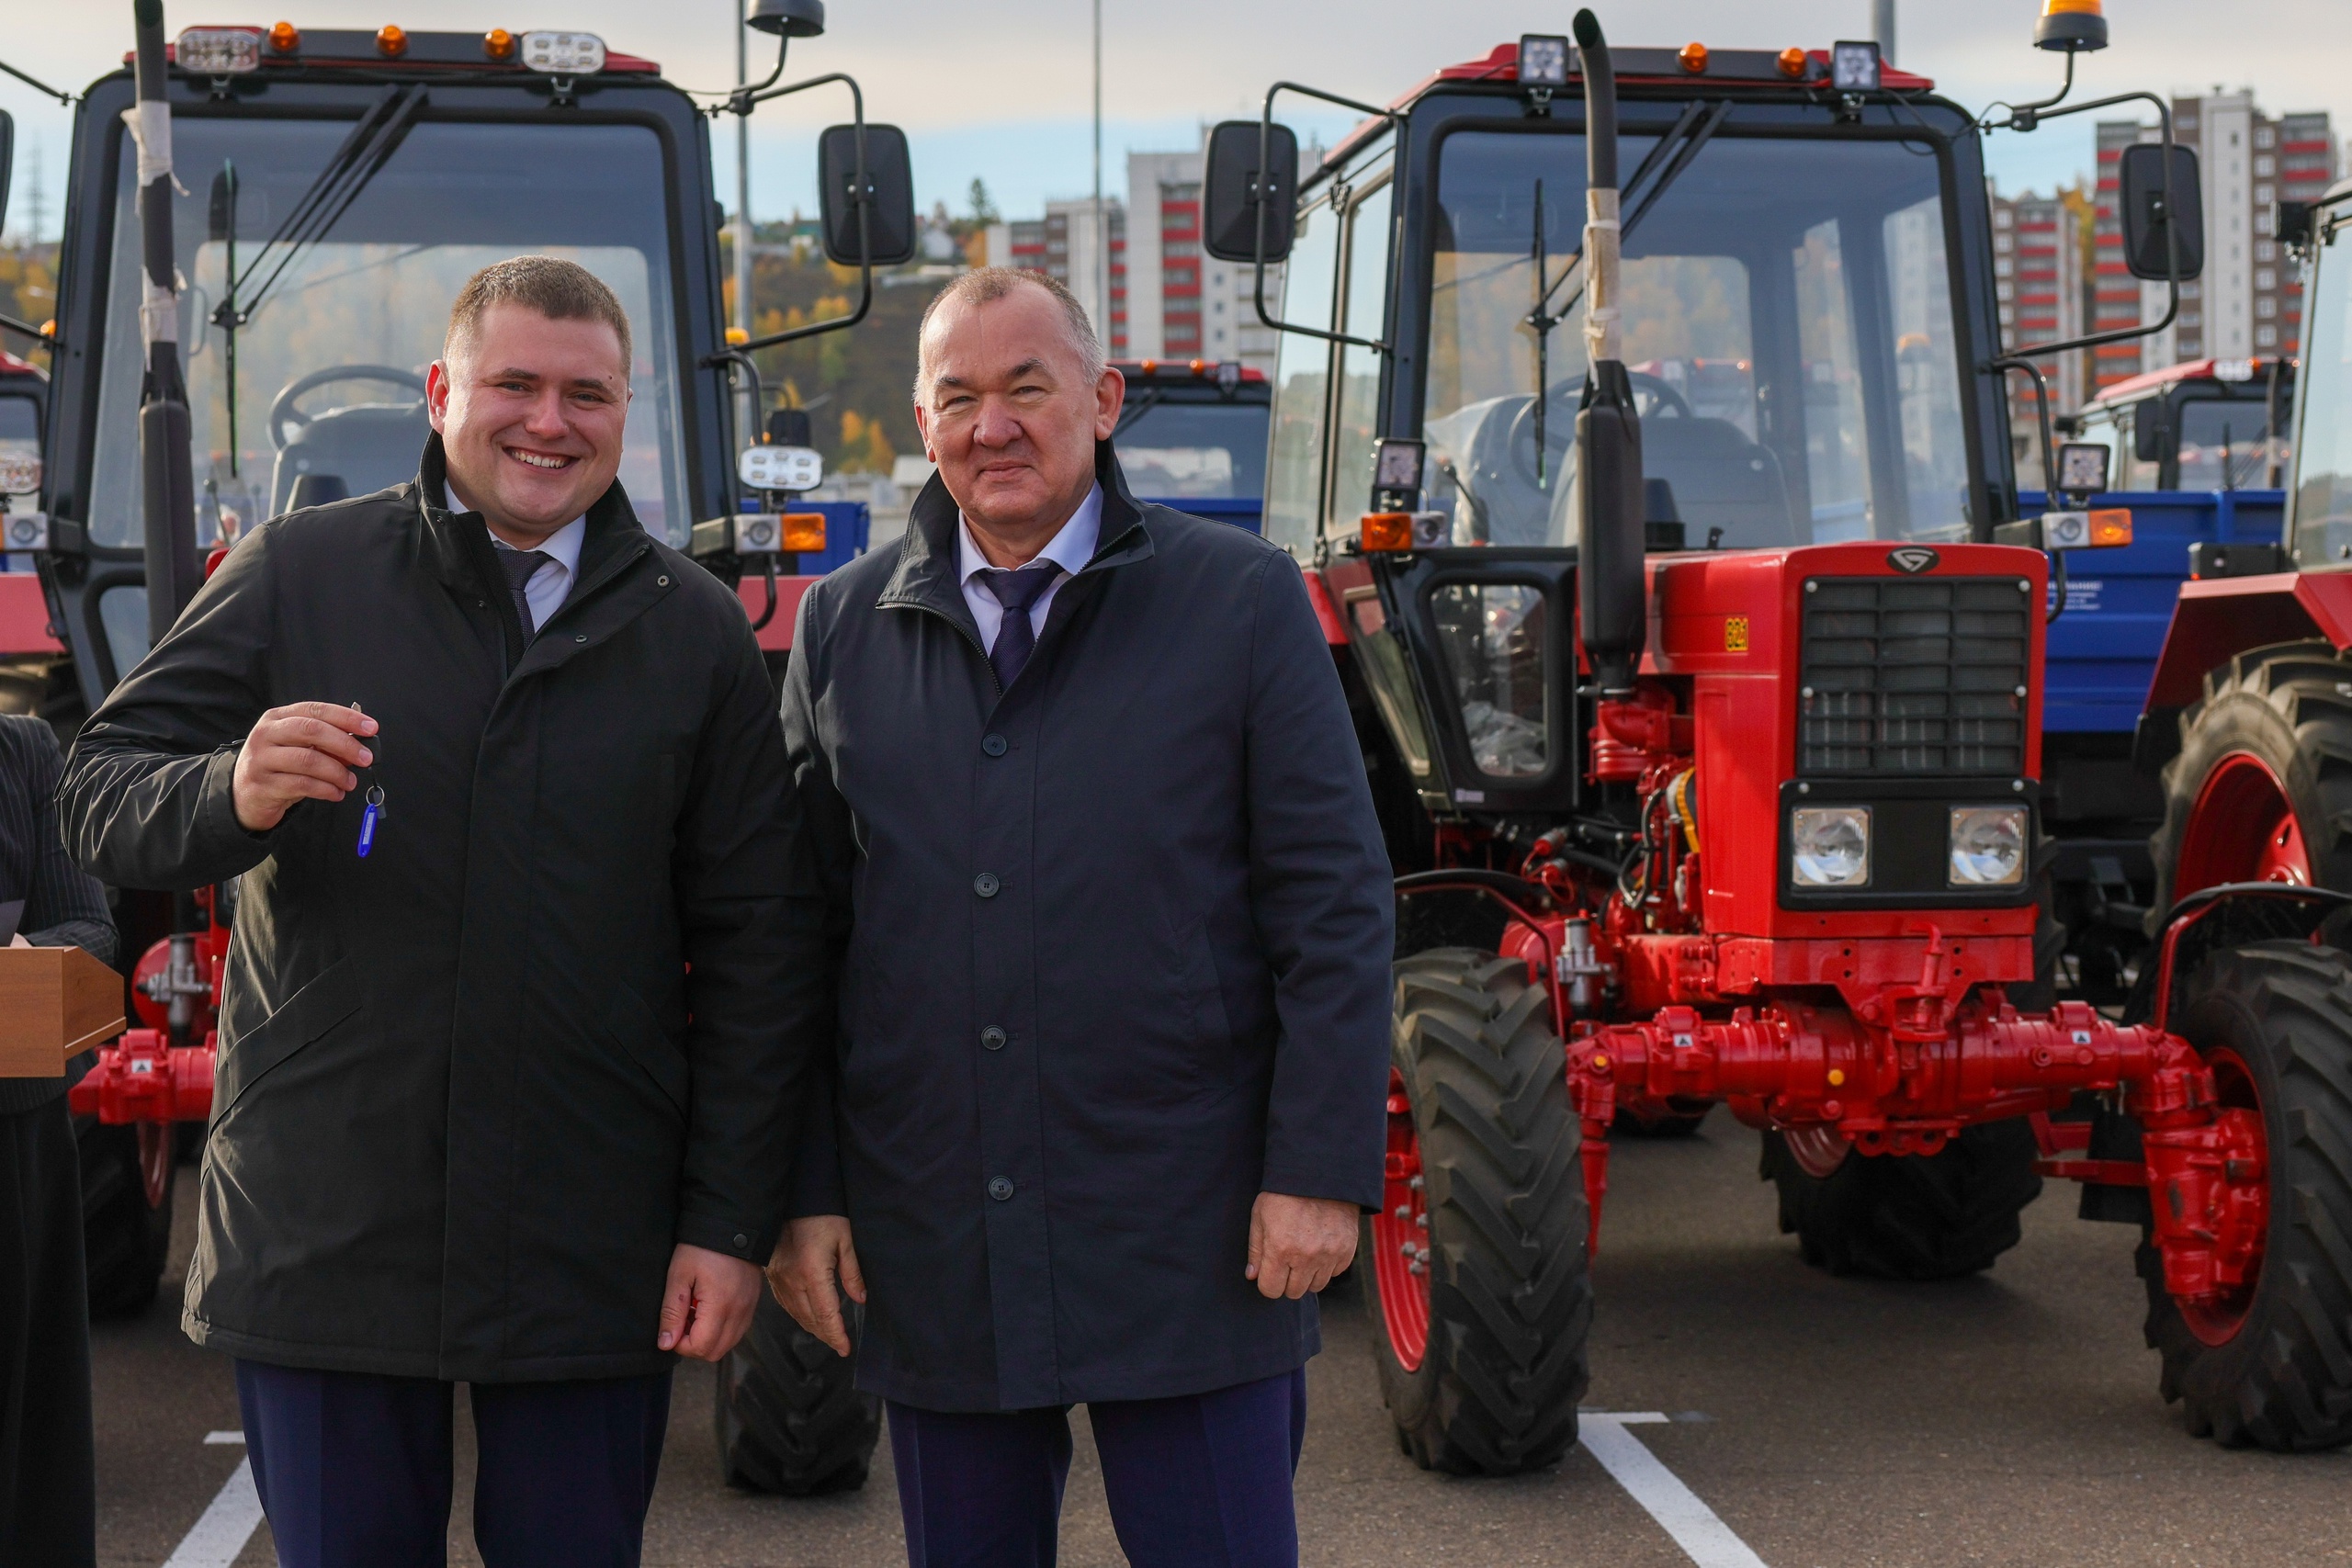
point(1004, 92)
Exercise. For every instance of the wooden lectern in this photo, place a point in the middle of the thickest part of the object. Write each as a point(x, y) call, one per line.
point(55, 1002)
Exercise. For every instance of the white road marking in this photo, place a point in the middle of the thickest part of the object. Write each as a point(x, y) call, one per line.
point(226, 1525)
point(1703, 1538)
point(237, 1437)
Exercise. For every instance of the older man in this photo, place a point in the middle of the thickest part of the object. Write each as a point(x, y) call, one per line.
point(524, 971)
point(1108, 1093)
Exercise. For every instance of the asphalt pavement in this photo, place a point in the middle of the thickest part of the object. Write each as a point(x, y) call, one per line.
point(1779, 1417)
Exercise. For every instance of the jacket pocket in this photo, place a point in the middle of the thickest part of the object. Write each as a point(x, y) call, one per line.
point(627, 1022)
point(329, 996)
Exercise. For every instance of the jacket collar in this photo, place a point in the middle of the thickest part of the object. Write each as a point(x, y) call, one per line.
point(928, 575)
point(454, 539)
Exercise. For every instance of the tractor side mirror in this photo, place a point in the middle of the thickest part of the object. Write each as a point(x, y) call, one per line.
point(887, 200)
point(1233, 195)
point(2150, 229)
point(7, 159)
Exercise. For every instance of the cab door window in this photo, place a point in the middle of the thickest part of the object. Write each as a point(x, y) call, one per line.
point(1295, 447)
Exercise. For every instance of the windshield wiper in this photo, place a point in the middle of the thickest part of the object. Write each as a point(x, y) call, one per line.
point(363, 154)
point(1683, 140)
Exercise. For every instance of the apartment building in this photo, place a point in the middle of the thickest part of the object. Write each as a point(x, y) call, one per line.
point(2038, 277)
point(1183, 303)
point(1066, 245)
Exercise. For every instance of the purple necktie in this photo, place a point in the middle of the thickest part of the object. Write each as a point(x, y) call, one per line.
point(1015, 637)
point(520, 567)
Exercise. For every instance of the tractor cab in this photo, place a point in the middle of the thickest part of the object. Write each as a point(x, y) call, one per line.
point(2205, 425)
point(1192, 436)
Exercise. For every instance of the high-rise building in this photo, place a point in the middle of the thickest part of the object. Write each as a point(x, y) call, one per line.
point(2248, 303)
point(2038, 279)
point(1065, 246)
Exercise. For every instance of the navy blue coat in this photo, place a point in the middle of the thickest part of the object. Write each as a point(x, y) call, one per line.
point(1116, 956)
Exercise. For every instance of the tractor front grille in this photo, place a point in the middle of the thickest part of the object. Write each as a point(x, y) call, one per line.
point(1911, 676)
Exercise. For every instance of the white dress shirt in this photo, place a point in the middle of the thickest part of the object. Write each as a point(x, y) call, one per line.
point(1071, 549)
point(552, 584)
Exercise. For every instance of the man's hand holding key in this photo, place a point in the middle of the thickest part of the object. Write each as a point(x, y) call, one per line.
point(300, 752)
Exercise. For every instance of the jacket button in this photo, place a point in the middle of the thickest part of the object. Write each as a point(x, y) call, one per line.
point(661, 582)
point(581, 638)
point(993, 1037)
point(986, 884)
point(742, 1240)
point(994, 745)
point(1001, 1188)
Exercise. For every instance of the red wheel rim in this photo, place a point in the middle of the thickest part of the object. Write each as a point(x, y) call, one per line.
point(1400, 1236)
point(2242, 828)
point(154, 1161)
point(1817, 1150)
point(2219, 1321)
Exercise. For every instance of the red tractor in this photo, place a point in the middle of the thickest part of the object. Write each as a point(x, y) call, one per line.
point(1703, 712)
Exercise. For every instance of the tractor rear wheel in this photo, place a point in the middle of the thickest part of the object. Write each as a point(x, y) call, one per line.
point(1480, 1297)
point(2262, 788)
point(789, 1416)
point(2274, 1367)
point(128, 1175)
point(1906, 1216)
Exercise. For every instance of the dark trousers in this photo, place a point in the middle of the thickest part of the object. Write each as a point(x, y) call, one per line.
point(48, 1494)
point(354, 1469)
point(1198, 1482)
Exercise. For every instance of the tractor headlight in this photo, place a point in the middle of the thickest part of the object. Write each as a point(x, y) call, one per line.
point(1830, 846)
point(1988, 846)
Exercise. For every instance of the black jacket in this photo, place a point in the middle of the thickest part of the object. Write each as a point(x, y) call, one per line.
point(1117, 950)
point(64, 906)
point(469, 1095)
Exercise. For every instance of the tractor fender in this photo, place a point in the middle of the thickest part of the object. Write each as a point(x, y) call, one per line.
point(2219, 618)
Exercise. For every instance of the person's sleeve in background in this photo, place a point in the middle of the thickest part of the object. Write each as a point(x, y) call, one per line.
point(817, 1185)
point(149, 796)
point(64, 905)
point(758, 990)
point(1323, 897)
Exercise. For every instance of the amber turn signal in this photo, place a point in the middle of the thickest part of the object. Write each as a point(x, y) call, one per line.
point(1385, 531)
point(285, 38)
point(804, 533)
point(1793, 64)
point(2110, 525)
point(390, 41)
point(498, 44)
point(1693, 57)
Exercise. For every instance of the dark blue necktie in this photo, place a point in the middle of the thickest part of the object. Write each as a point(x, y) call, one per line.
point(520, 567)
point(1015, 637)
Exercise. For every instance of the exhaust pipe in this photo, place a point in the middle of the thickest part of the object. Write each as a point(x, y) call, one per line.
point(1612, 606)
point(165, 471)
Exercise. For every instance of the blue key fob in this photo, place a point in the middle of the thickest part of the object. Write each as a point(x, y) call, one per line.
point(368, 818)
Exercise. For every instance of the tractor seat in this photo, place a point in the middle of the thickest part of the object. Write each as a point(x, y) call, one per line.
point(361, 448)
point(1721, 479)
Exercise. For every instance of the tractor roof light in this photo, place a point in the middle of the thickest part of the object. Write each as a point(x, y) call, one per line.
point(1854, 66)
point(1544, 60)
point(564, 54)
point(1693, 56)
point(285, 38)
point(392, 41)
point(218, 51)
point(1792, 62)
point(2069, 26)
point(498, 44)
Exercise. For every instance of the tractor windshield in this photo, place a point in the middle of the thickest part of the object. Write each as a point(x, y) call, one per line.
point(320, 392)
point(2322, 502)
point(1788, 322)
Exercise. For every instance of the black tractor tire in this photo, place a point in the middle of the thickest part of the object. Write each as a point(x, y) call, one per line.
point(126, 1241)
point(2287, 704)
point(789, 1418)
point(2284, 1379)
point(1910, 1216)
point(1511, 1293)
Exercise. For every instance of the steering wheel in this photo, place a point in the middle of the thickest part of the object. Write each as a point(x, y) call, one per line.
point(285, 418)
point(1561, 418)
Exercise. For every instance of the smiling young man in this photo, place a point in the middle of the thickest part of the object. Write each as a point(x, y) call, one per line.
point(1110, 1085)
point(526, 960)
